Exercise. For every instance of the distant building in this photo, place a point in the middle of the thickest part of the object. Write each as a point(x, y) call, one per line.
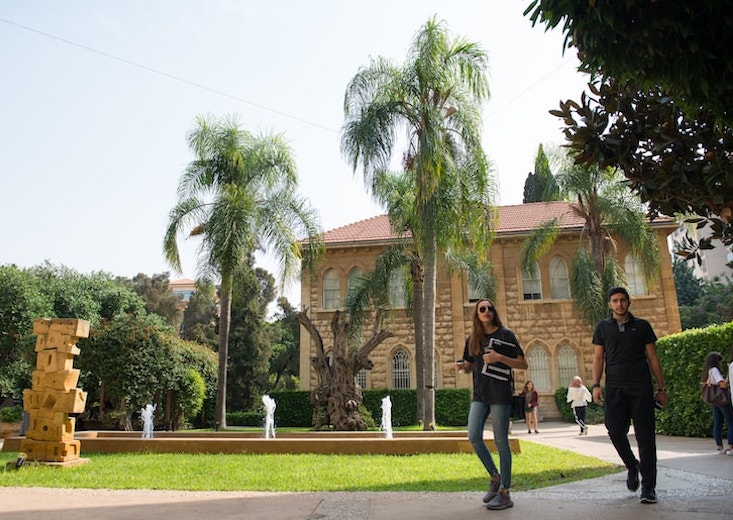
point(537, 307)
point(713, 262)
point(183, 288)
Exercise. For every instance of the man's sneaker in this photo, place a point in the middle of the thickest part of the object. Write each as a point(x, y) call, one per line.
point(632, 478)
point(502, 500)
point(494, 485)
point(648, 496)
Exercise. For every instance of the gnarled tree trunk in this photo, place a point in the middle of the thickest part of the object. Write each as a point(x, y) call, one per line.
point(336, 398)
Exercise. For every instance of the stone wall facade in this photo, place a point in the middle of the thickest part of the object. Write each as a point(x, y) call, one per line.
point(544, 324)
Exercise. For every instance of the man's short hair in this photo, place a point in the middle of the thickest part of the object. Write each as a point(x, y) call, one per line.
point(617, 290)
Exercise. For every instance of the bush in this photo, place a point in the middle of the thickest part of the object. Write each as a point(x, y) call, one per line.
point(682, 356)
point(11, 413)
point(255, 419)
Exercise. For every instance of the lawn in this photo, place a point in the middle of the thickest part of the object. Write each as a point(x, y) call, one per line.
point(535, 467)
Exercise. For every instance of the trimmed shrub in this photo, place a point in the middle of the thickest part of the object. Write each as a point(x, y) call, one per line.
point(682, 356)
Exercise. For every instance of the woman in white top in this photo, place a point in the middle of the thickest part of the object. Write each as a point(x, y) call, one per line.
point(579, 397)
point(711, 372)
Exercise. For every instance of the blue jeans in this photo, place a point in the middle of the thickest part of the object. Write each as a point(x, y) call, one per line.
point(500, 415)
point(720, 413)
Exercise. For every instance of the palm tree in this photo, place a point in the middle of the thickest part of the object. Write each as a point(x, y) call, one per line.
point(435, 99)
point(610, 213)
point(238, 195)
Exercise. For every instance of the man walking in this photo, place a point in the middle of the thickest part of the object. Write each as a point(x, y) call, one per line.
point(626, 345)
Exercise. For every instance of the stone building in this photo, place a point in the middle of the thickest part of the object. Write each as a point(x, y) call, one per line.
point(537, 308)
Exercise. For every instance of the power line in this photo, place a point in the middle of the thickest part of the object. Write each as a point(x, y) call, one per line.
point(166, 74)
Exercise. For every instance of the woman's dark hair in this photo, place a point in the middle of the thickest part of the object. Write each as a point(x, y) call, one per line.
point(478, 336)
point(713, 360)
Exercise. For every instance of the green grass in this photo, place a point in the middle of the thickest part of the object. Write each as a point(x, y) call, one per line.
point(537, 466)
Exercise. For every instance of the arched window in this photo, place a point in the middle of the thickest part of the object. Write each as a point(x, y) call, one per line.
point(532, 284)
point(400, 370)
point(559, 279)
point(634, 275)
point(331, 290)
point(567, 364)
point(361, 378)
point(353, 281)
point(474, 293)
point(539, 368)
point(397, 289)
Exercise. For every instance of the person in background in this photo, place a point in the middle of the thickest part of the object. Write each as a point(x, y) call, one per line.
point(530, 408)
point(579, 397)
point(492, 394)
point(712, 373)
point(627, 347)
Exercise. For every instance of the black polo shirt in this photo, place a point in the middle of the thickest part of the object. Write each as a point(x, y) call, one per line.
point(625, 351)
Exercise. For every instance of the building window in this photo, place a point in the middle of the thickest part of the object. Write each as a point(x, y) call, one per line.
point(634, 275)
point(532, 284)
point(331, 290)
point(539, 369)
point(567, 364)
point(353, 281)
point(361, 378)
point(559, 279)
point(400, 370)
point(397, 289)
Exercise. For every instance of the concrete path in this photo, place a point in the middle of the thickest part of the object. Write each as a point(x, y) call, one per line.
point(694, 482)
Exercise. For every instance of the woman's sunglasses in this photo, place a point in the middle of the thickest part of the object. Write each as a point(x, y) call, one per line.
point(485, 308)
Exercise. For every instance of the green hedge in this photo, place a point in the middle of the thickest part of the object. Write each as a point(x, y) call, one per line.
point(294, 409)
point(682, 356)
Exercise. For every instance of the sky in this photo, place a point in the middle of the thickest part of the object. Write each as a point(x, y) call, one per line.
point(97, 97)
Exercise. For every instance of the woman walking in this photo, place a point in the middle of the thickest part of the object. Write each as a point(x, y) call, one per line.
point(712, 375)
point(579, 397)
point(531, 399)
point(491, 352)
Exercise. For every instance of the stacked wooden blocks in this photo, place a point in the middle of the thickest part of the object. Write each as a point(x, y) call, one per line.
point(54, 396)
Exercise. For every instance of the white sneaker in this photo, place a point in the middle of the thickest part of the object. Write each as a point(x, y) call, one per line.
point(729, 451)
point(586, 431)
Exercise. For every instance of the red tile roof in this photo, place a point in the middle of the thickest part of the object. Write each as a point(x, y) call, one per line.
point(517, 219)
point(512, 219)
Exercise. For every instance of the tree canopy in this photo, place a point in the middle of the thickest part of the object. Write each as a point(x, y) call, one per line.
point(435, 98)
point(660, 101)
point(238, 194)
point(682, 47)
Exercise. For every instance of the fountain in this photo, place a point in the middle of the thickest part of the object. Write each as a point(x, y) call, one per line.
point(147, 416)
point(269, 403)
point(386, 424)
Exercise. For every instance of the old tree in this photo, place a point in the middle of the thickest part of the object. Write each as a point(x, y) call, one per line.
point(337, 397)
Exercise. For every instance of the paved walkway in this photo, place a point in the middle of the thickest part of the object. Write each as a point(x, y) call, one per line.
point(694, 482)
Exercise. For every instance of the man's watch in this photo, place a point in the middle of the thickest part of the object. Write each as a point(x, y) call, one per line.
point(596, 385)
point(663, 390)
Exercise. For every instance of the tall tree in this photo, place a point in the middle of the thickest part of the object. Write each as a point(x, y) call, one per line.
point(159, 299)
point(682, 47)
point(200, 317)
point(540, 186)
point(285, 360)
point(238, 194)
point(435, 99)
point(610, 214)
point(250, 338)
point(663, 107)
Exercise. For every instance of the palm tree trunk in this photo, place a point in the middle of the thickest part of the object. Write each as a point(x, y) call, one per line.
point(429, 328)
point(417, 299)
point(224, 319)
